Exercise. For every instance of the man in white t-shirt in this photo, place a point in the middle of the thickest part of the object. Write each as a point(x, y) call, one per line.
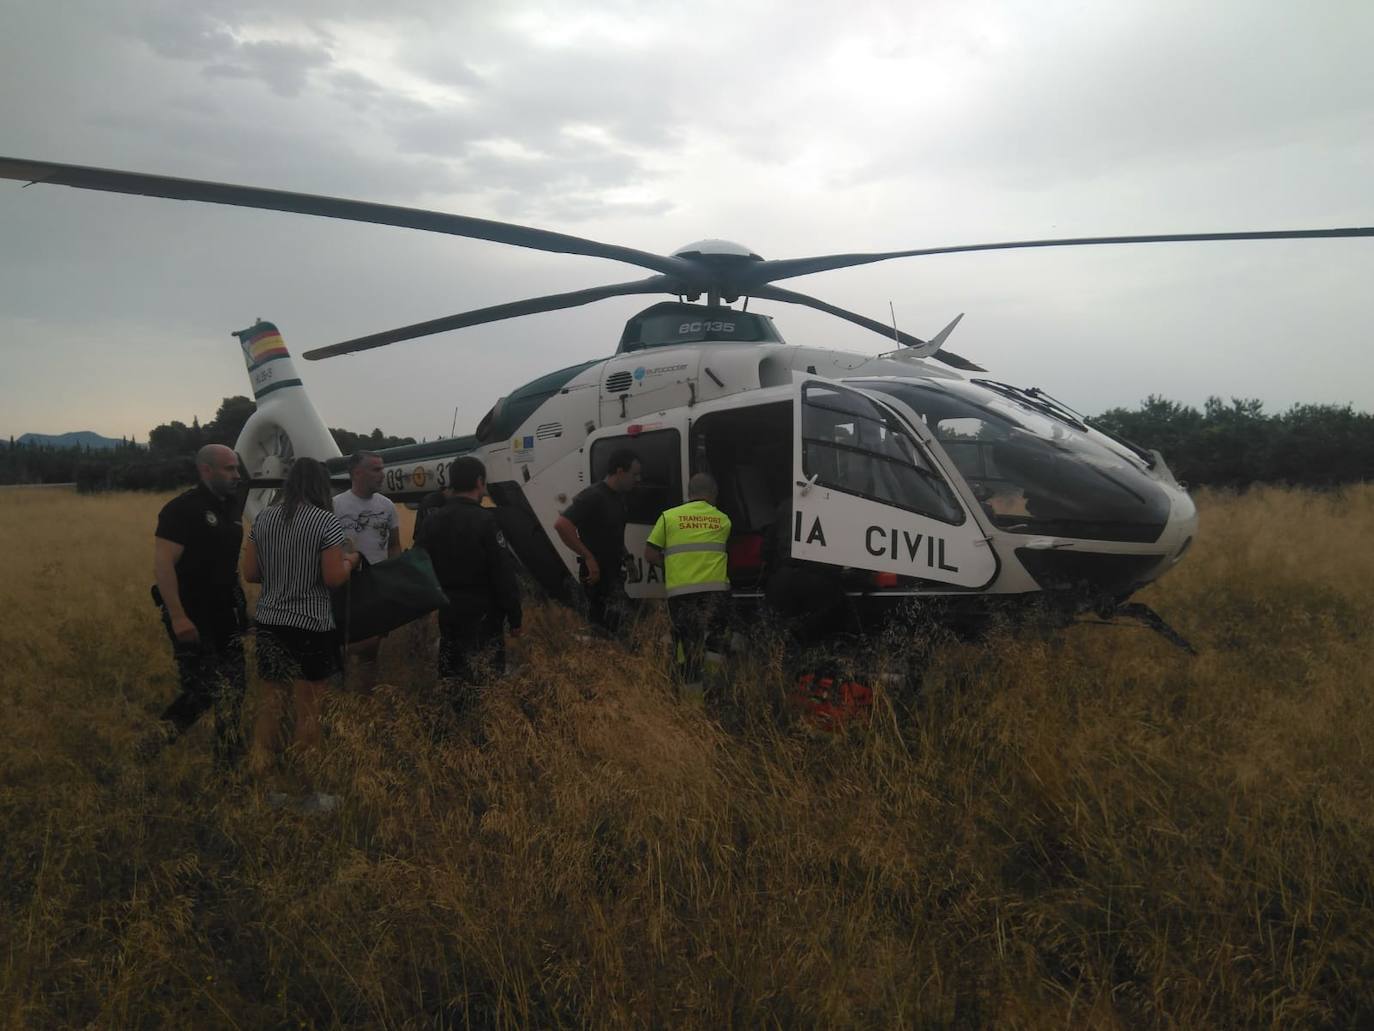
point(368, 518)
point(374, 529)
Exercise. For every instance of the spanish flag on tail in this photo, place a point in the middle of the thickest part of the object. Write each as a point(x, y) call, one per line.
point(261, 343)
point(269, 363)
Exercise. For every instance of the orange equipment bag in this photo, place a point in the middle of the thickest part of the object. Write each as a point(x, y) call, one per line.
point(830, 703)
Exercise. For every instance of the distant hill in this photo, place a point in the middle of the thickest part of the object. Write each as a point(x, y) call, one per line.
point(78, 438)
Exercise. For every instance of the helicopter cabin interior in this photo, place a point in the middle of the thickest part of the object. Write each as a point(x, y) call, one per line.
point(749, 452)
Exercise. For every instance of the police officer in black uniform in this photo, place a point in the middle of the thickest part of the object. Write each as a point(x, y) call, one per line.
point(429, 504)
point(593, 528)
point(196, 570)
point(478, 575)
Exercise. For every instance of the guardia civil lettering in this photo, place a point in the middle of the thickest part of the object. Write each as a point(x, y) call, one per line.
point(898, 543)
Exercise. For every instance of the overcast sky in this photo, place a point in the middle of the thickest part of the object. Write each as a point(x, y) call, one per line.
point(795, 129)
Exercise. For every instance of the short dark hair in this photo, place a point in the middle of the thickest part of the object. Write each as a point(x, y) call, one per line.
point(359, 457)
point(463, 473)
point(622, 458)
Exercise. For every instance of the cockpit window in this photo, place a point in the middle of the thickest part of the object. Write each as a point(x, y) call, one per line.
point(854, 445)
point(1033, 471)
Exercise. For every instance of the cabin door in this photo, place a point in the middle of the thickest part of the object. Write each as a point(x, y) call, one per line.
point(661, 453)
point(868, 494)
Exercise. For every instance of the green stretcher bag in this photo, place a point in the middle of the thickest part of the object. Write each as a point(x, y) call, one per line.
point(379, 598)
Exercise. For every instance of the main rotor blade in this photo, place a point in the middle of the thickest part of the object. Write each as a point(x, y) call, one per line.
point(513, 309)
point(777, 293)
point(785, 268)
point(140, 184)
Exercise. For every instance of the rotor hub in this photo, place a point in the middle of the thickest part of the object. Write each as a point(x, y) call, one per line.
point(716, 251)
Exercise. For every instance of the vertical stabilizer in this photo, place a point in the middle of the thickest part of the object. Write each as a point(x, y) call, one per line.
point(286, 424)
point(270, 367)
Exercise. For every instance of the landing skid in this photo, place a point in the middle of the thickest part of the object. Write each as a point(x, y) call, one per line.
point(1144, 616)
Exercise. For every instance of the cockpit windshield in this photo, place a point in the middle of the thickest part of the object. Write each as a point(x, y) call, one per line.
point(1033, 468)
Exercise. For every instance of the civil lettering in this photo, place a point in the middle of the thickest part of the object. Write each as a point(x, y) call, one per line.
point(912, 546)
point(882, 542)
point(881, 549)
point(950, 569)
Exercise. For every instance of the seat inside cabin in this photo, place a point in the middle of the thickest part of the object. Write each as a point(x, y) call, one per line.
point(749, 452)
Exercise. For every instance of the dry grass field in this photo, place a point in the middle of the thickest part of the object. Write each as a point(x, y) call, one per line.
point(1091, 829)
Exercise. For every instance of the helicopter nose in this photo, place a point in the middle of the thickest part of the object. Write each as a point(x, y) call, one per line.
point(1183, 523)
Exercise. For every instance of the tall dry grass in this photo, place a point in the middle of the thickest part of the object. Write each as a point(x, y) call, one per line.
point(1090, 829)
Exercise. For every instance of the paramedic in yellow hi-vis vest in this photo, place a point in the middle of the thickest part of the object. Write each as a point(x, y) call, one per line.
point(690, 542)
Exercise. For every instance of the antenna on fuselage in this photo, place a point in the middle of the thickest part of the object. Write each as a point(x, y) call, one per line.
point(895, 335)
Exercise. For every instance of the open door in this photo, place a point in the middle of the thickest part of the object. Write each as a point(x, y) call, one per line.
point(660, 453)
point(868, 495)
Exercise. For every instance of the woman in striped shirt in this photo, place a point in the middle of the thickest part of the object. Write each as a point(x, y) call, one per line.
point(296, 551)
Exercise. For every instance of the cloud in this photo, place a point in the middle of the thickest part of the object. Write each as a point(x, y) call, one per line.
point(1077, 94)
point(364, 94)
point(223, 43)
point(557, 173)
point(284, 67)
point(184, 34)
point(573, 207)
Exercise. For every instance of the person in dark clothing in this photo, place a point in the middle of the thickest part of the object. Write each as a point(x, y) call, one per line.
point(478, 575)
point(196, 574)
point(809, 597)
point(429, 504)
point(593, 527)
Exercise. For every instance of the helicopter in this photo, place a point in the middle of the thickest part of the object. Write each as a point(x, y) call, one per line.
point(922, 478)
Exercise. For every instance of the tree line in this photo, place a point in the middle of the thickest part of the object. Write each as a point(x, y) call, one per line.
point(1236, 443)
point(166, 462)
point(1223, 444)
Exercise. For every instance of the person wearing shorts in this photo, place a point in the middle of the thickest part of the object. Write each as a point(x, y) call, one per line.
point(296, 551)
